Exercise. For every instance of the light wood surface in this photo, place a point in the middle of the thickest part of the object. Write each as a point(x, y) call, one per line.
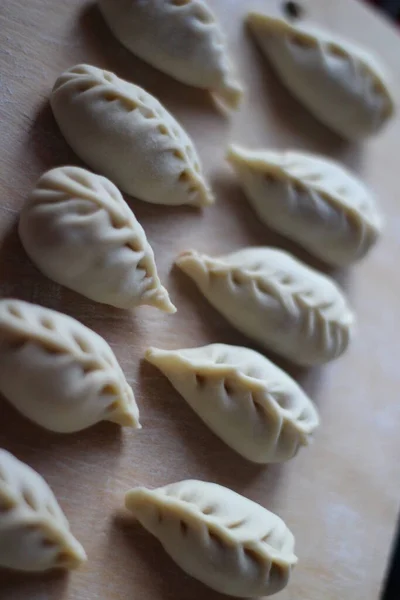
point(341, 496)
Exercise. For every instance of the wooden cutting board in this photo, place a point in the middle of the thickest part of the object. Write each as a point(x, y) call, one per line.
point(340, 497)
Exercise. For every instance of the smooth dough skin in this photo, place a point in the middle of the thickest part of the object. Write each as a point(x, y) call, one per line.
point(311, 199)
point(344, 86)
point(79, 231)
point(251, 404)
point(181, 38)
point(276, 300)
point(34, 532)
point(124, 133)
point(224, 540)
point(59, 373)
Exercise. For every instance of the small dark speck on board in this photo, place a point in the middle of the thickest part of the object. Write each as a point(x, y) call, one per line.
point(293, 10)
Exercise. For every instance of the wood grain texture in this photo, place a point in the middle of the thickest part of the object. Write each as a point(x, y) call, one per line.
point(339, 497)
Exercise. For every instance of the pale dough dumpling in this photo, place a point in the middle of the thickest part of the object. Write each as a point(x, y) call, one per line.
point(123, 132)
point(228, 542)
point(251, 404)
point(341, 84)
point(181, 38)
point(275, 299)
point(311, 199)
point(34, 532)
point(79, 231)
point(59, 373)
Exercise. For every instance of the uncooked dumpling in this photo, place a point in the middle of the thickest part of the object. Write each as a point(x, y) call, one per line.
point(59, 373)
point(228, 542)
point(311, 199)
point(341, 84)
point(123, 132)
point(79, 231)
point(180, 37)
point(34, 532)
point(251, 404)
point(275, 299)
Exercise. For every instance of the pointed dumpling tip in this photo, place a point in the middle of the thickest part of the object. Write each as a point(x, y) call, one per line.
point(235, 154)
point(187, 259)
point(136, 499)
point(124, 412)
point(72, 554)
point(265, 23)
point(193, 264)
point(185, 256)
point(160, 358)
point(125, 419)
point(152, 353)
point(167, 306)
point(204, 197)
point(230, 95)
point(160, 299)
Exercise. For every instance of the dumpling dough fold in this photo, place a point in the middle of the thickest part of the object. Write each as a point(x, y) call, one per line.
point(79, 231)
point(34, 532)
point(59, 373)
point(343, 85)
point(228, 542)
point(124, 133)
point(251, 404)
point(181, 38)
point(312, 200)
point(276, 300)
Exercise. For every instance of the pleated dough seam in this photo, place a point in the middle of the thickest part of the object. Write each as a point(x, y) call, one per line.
point(252, 385)
point(40, 334)
point(253, 280)
point(257, 547)
point(332, 201)
point(188, 173)
point(118, 221)
point(332, 48)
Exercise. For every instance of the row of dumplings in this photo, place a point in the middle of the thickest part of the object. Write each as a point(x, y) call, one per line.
point(124, 133)
point(310, 199)
point(80, 232)
point(65, 378)
point(225, 540)
point(342, 84)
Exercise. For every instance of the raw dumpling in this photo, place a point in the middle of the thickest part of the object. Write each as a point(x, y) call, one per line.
point(79, 231)
point(34, 532)
point(312, 200)
point(123, 132)
point(59, 373)
point(251, 404)
point(275, 299)
point(180, 37)
point(341, 84)
point(228, 542)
